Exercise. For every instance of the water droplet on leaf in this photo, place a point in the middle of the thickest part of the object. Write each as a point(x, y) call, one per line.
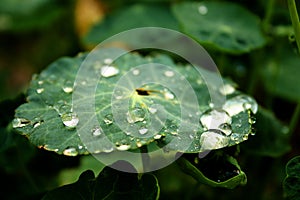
point(108, 119)
point(68, 87)
point(70, 120)
point(212, 119)
point(143, 131)
point(169, 73)
point(108, 71)
point(97, 131)
point(157, 137)
point(202, 10)
point(123, 147)
point(20, 122)
point(70, 152)
point(37, 124)
point(136, 72)
point(227, 89)
point(136, 115)
point(168, 94)
point(40, 90)
point(239, 104)
point(152, 110)
point(225, 128)
point(212, 139)
point(108, 61)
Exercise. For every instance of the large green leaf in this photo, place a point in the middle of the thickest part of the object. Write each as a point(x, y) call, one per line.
point(110, 184)
point(224, 25)
point(161, 110)
point(129, 17)
point(291, 184)
point(272, 137)
point(217, 170)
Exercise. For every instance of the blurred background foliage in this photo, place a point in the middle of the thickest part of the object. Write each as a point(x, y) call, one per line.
point(258, 52)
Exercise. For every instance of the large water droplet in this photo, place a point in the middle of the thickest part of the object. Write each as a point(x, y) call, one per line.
point(20, 122)
point(70, 119)
point(136, 115)
point(108, 119)
point(214, 118)
point(239, 104)
point(227, 89)
point(108, 71)
point(213, 139)
point(202, 10)
point(70, 152)
point(123, 147)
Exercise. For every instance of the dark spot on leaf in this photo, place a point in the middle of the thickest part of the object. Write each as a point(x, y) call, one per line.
point(143, 92)
point(241, 41)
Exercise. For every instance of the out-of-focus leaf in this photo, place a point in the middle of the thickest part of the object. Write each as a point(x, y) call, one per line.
point(216, 171)
point(291, 184)
point(271, 138)
point(29, 14)
point(129, 17)
point(224, 25)
point(281, 75)
point(110, 184)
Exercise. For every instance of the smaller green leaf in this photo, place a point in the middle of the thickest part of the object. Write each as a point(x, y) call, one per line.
point(29, 14)
point(271, 139)
point(217, 170)
point(291, 184)
point(129, 17)
point(235, 31)
point(110, 184)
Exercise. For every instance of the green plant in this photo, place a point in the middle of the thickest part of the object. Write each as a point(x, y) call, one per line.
point(254, 47)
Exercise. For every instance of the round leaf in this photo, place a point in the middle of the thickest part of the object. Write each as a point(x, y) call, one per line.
point(130, 114)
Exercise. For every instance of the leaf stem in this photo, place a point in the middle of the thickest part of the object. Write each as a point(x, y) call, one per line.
point(268, 16)
point(295, 119)
point(295, 20)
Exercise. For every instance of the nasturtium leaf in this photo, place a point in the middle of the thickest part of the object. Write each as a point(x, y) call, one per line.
point(110, 184)
point(136, 102)
point(28, 15)
point(280, 75)
point(271, 138)
point(224, 25)
point(291, 184)
point(216, 171)
point(129, 17)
